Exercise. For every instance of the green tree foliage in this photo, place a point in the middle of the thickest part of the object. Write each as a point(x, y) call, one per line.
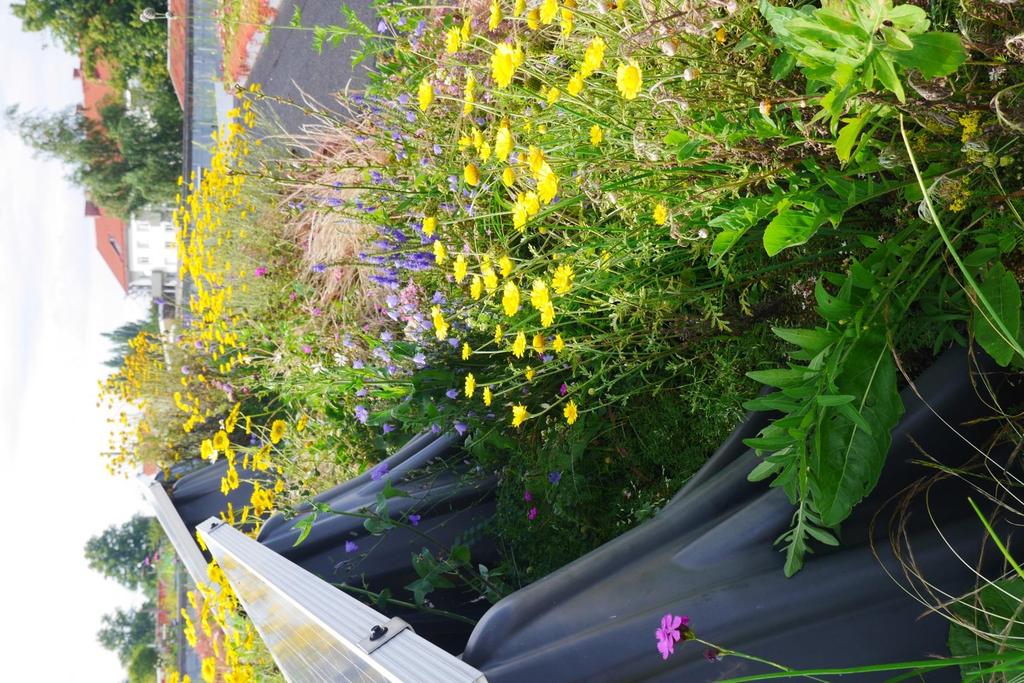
point(120, 337)
point(132, 160)
point(119, 552)
point(104, 29)
point(127, 629)
point(143, 663)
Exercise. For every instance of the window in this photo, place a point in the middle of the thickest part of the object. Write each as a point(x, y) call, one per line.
point(141, 245)
point(143, 260)
point(115, 246)
point(171, 245)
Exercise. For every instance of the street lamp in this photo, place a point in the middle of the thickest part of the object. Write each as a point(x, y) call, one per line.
point(149, 14)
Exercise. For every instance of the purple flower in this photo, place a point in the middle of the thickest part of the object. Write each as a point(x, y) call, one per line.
point(351, 547)
point(532, 514)
point(362, 414)
point(379, 471)
point(387, 427)
point(358, 364)
point(438, 297)
point(382, 26)
point(307, 349)
point(414, 520)
point(461, 427)
point(318, 267)
point(435, 428)
point(438, 149)
point(554, 477)
point(403, 99)
point(260, 271)
point(668, 635)
point(452, 393)
point(420, 360)
point(563, 390)
point(386, 336)
point(527, 496)
point(361, 392)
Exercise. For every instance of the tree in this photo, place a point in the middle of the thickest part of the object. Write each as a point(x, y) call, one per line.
point(129, 160)
point(120, 552)
point(108, 30)
point(125, 333)
point(124, 630)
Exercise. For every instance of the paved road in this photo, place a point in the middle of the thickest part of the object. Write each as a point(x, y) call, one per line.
point(287, 63)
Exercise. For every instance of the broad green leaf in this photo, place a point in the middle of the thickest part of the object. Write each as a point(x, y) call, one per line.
point(886, 73)
point(848, 135)
point(831, 400)
point(1001, 290)
point(735, 222)
point(831, 308)
point(305, 525)
point(822, 536)
point(792, 227)
point(764, 469)
point(934, 54)
point(778, 378)
point(845, 461)
point(909, 18)
point(995, 610)
point(813, 341)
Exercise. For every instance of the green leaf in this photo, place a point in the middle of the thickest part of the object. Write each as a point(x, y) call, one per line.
point(791, 228)
point(1001, 290)
point(935, 54)
point(779, 377)
point(830, 400)
point(813, 341)
point(848, 135)
point(994, 610)
point(460, 553)
point(845, 460)
point(782, 66)
point(736, 221)
point(305, 525)
point(764, 469)
point(822, 535)
point(391, 492)
point(296, 20)
point(886, 73)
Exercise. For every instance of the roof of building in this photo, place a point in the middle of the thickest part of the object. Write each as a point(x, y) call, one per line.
point(176, 46)
point(111, 231)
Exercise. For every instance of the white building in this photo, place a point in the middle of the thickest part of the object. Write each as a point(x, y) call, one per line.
point(152, 256)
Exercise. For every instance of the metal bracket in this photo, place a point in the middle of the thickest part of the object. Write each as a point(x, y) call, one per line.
point(382, 633)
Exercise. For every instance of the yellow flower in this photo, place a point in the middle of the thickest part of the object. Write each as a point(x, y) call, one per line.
point(596, 135)
point(570, 412)
point(466, 351)
point(575, 86)
point(460, 269)
point(426, 94)
point(467, 108)
point(562, 279)
point(503, 64)
point(220, 441)
point(593, 57)
point(440, 326)
point(660, 214)
point(548, 11)
point(452, 40)
point(520, 214)
point(519, 8)
point(558, 344)
point(505, 263)
point(429, 225)
point(301, 424)
point(277, 431)
point(466, 28)
point(487, 396)
point(533, 19)
point(207, 451)
point(508, 176)
point(439, 252)
point(209, 671)
point(553, 95)
point(539, 294)
point(490, 277)
point(519, 345)
point(472, 175)
point(510, 299)
point(628, 79)
point(566, 22)
point(502, 142)
point(547, 183)
point(720, 34)
point(535, 157)
point(519, 415)
point(528, 373)
point(547, 314)
point(497, 334)
point(476, 288)
point(495, 17)
point(485, 152)
point(538, 343)
point(470, 385)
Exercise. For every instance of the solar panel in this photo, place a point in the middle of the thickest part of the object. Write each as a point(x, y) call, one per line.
point(317, 633)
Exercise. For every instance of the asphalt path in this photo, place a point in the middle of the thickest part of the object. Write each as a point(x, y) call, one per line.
point(287, 65)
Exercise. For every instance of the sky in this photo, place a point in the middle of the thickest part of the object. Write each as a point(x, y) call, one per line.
point(58, 296)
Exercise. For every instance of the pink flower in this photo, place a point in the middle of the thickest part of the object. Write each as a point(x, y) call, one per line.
point(532, 514)
point(527, 496)
point(668, 635)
